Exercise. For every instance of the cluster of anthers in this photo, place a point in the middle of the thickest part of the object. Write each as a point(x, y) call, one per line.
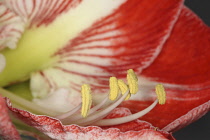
point(119, 91)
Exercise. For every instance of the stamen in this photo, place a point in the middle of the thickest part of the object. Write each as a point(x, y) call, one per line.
point(132, 81)
point(161, 94)
point(75, 117)
point(123, 87)
point(86, 99)
point(116, 121)
point(96, 114)
point(69, 113)
point(114, 89)
point(102, 113)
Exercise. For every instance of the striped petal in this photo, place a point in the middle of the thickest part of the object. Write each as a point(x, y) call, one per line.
point(11, 28)
point(127, 37)
point(40, 12)
point(183, 65)
point(59, 27)
point(54, 129)
point(7, 130)
point(184, 59)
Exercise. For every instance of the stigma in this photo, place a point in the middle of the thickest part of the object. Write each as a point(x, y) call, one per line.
point(86, 114)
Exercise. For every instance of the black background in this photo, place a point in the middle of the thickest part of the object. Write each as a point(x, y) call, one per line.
point(199, 130)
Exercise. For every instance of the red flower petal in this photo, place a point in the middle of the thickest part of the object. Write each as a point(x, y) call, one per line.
point(56, 130)
point(185, 57)
point(182, 107)
point(186, 119)
point(184, 61)
point(7, 130)
point(131, 37)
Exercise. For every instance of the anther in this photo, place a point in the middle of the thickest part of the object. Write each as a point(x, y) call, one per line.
point(132, 81)
point(114, 89)
point(123, 88)
point(161, 94)
point(86, 99)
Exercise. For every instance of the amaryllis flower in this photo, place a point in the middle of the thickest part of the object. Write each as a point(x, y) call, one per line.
point(59, 55)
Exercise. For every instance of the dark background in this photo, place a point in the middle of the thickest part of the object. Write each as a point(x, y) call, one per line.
point(199, 130)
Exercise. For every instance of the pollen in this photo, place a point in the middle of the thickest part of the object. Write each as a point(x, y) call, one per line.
point(161, 94)
point(114, 88)
point(132, 81)
point(86, 100)
point(123, 88)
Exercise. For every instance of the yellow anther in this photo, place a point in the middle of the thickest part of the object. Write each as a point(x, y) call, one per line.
point(132, 81)
point(86, 99)
point(114, 89)
point(124, 88)
point(161, 94)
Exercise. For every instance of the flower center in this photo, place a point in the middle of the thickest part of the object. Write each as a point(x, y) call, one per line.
point(85, 114)
point(119, 91)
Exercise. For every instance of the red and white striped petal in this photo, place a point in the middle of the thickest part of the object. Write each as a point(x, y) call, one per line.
point(128, 37)
point(7, 130)
point(54, 129)
point(185, 58)
point(11, 28)
point(183, 65)
point(40, 12)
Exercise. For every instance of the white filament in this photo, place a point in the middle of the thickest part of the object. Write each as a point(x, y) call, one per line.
point(101, 114)
point(69, 113)
point(75, 117)
point(2, 62)
point(116, 121)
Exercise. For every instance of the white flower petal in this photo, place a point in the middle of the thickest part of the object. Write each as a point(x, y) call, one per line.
point(59, 100)
point(11, 28)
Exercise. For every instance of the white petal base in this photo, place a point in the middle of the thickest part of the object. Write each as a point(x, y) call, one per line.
point(59, 100)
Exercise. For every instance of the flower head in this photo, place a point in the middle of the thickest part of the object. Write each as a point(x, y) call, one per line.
point(49, 49)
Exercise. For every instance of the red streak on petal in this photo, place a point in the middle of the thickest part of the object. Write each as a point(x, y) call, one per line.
point(53, 13)
point(11, 27)
point(42, 12)
point(32, 10)
point(47, 79)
